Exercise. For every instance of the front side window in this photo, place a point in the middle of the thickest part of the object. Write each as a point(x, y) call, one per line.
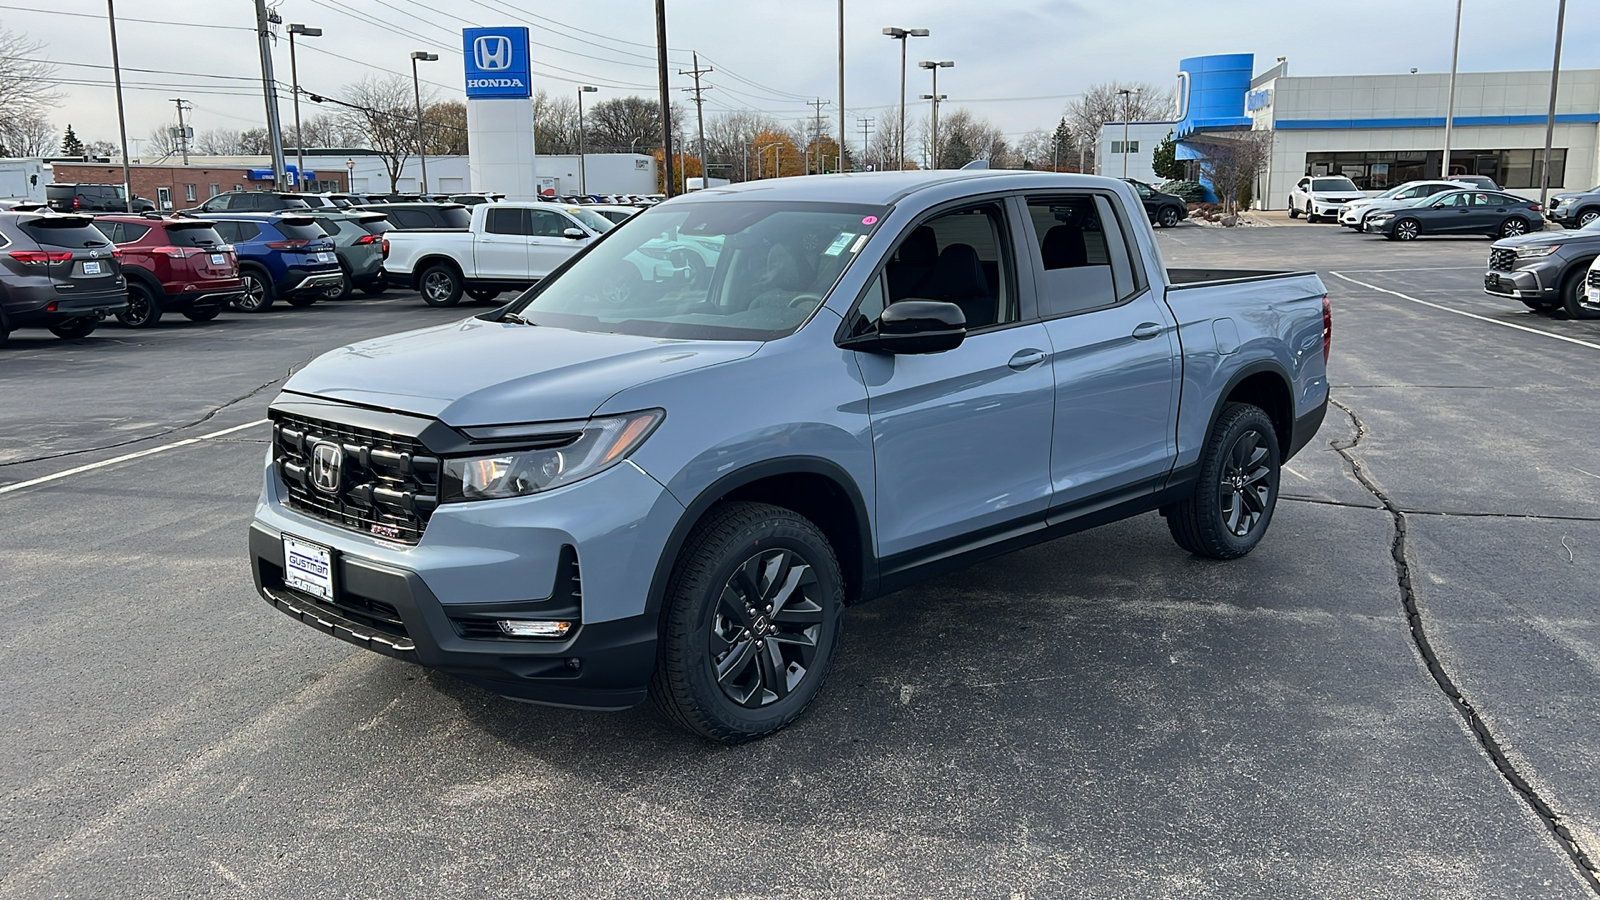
point(596, 222)
point(959, 257)
point(1451, 201)
point(712, 270)
point(544, 223)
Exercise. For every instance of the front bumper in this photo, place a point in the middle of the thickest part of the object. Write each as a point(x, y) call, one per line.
point(1518, 284)
point(585, 553)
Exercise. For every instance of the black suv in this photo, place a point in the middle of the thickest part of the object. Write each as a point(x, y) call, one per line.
point(250, 201)
point(58, 272)
point(91, 198)
point(414, 216)
point(1165, 210)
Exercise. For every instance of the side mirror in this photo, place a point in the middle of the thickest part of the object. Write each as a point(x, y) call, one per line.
point(914, 326)
point(576, 234)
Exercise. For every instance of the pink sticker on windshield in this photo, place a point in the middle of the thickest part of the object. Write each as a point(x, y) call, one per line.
point(870, 220)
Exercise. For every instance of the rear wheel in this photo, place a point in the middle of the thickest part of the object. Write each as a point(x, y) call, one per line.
point(1513, 226)
point(1406, 230)
point(143, 309)
point(202, 315)
point(441, 285)
point(74, 328)
point(1237, 491)
point(482, 296)
point(1572, 297)
point(752, 623)
point(1168, 217)
point(343, 288)
point(257, 296)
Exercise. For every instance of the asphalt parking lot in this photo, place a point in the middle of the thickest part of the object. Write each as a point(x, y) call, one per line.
point(1099, 716)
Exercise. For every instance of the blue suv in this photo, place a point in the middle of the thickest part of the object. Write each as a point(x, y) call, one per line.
point(284, 256)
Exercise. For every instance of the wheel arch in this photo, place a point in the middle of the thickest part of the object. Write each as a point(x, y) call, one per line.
point(427, 262)
point(817, 488)
point(144, 278)
point(1265, 385)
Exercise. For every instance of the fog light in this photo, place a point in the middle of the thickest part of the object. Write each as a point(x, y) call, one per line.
point(534, 628)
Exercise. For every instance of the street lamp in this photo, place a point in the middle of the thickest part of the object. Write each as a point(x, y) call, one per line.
point(777, 158)
point(900, 34)
point(583, 181)
point(294, 79)
point(416, 88)
point(1127, 95)
point(934, 66)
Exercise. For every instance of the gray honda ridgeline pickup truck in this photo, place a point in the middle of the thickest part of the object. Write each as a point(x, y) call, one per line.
point(623, 485)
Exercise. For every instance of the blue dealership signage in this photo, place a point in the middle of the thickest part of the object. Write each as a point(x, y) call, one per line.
point(498, 62)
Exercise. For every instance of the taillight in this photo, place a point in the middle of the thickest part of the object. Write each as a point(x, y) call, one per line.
point(367, 239)
point(116, 253)
point(1327, 328)
point(1534, 207)
point(296, 244)
point(41, 257)
point(76, 203)
point(177, 252)
point(385, 248)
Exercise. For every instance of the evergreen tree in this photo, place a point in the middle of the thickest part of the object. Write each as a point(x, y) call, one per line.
point(1060, 144)
point(1164, 160)
point(70, 145)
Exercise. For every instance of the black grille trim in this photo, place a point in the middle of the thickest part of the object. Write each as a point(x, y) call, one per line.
point(1594, 278)
point(389, 486)
point(1502, 260)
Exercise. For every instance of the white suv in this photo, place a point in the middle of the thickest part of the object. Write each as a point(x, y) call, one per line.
point(1322, 195)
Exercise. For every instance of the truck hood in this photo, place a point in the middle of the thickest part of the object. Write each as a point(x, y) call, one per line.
point(488, 373)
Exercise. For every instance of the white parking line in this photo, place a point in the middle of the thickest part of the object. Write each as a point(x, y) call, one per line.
point(1548, 334)
point(44, 479)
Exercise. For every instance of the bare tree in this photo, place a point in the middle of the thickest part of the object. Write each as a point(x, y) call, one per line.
point(446, 133)
point(624, 125)
point(1232, 163)
point(964, 137)
point(101, 150)
point(1102, 103)
point(217, 142)
point(730, 142)
point(320, 131)
point(28, 136)
point(24, 96)
point(382, 113)
point(555, 123)
point(161, 141)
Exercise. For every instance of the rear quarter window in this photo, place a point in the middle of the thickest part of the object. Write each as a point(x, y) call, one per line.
point(455, 217)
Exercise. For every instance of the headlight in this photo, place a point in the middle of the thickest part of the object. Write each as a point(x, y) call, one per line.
point(1529, 252)
point(544, 457)
point(1381, 217)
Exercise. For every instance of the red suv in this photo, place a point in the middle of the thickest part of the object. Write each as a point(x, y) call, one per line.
point(172, 265)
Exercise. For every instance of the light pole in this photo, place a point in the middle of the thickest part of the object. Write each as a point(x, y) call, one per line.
point(416, 89)
point(900, 34)
point(1550, 120)
point(1450, 95)
point(1127, 111)
point(294, 80)
point(583, 175)
point(934, 65)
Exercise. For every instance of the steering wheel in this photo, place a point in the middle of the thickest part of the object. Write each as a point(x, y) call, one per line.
point(804, 298)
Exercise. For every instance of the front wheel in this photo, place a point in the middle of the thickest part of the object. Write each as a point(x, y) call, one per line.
point(1572, 297)
point(74, 328)
point(752, 623)
point(441, 286)
point(1311, 216)
point(1168, 217)
point(143, 309)
point(1237, 490)
point(1588, 217)
point(1406, 230)
point(1513, 226)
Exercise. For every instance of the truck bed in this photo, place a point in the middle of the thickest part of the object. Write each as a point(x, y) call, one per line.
point(1178, 279)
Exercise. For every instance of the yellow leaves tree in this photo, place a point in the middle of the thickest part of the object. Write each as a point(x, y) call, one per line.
point(683, 166)
point(824, 155)
point(775, 154)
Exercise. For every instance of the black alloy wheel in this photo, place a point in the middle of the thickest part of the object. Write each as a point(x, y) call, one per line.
point(257, 296)
point(751, 625)
point(1168, 217)
point(1406, 230)
point(1246, 485)
point(74, 328)
point(143, 309)
point(1236, 491)
point(1513, 226)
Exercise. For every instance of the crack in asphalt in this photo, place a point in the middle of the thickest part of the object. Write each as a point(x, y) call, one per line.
point(1444, 513)
point(1508, 771)
point(215, 411)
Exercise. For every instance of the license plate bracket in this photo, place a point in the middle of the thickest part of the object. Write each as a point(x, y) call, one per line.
point(91, 268)
point(308, 568)
point(219, 259)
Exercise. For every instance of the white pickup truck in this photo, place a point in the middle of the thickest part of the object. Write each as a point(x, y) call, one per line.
point(508, 246)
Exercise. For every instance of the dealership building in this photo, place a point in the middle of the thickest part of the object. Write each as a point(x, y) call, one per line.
point(1379, 130)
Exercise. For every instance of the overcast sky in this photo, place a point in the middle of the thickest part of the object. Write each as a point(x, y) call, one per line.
point(1017, 61)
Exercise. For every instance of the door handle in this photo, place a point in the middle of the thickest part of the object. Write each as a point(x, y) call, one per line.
point(1026, 359)
point(1147, 330)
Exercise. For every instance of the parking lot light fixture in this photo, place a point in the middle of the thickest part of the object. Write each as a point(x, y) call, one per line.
point(1127, 111)
point(583, 180)
point(294, 81)
point(934, 65)
point(901, 34)
point(416, 89)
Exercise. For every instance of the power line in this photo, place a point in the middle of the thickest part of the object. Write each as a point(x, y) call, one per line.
point(122, 19)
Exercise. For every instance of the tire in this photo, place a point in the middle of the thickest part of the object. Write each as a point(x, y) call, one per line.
point(5, 334)
point(258, 293)
point(739, 551)
point(1587, 217)
point(1406, 230)
point(143, 309)
point(375, 288)
point(1311, 217)
point(346, 286)
point(1572, 297)
point(1240, 461)
point(440, 285)
point(74, 328)
point(1167, 217)
point(1512, 227)
point(1294, 212)
point(482, 296)
point(202, 315)
point(301, 301)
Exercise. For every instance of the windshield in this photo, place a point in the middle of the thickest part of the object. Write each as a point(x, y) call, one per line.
point(1393, 192)
point(597, 223)
point(718, 270)
point(1334, 184)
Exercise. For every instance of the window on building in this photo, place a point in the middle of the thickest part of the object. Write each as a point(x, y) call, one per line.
point(1116, 147)
point(215, 190)
point(1383, 169)
point(188, 192)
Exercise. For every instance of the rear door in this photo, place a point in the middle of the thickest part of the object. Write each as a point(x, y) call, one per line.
point(501, 250)
point(1114, 352)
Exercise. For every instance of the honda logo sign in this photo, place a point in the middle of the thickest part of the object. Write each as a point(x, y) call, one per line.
point(497, 62)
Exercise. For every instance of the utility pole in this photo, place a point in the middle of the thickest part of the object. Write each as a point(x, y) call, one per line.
point(1550, 120)
point(264, 22)
point(866, 131)
point(183, 135)
point(122, 121)
point(699, 110)
point(666, 96)
point(822, 165)
point(1450, 97)
point(841, 87)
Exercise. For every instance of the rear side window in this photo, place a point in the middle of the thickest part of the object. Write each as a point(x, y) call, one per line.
point(408, 218)
point(298, 232)
point(74, 236)
point(1074, 255)
point(506, 221)
point(455, 217)
point(128, 232)
point(375, 226)
point(204, 236)
point(112, 231)
point(245, 231)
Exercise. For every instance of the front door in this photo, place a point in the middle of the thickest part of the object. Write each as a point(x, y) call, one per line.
point(502, 248)
point(1114, 354)
point(961, 439)
point(1452, 214)
point(549, 246)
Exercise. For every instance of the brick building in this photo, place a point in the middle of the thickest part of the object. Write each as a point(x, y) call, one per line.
point(180, 187)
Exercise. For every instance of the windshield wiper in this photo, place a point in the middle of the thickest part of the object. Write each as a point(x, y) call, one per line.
point(513, 317)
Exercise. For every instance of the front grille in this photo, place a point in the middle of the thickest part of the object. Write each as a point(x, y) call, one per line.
point(1502, 260)
point(387, 485)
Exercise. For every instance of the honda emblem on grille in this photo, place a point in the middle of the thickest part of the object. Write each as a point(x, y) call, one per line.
point(327, 467)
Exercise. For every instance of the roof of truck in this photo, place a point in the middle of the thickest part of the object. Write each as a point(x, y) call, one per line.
point(883, 188)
